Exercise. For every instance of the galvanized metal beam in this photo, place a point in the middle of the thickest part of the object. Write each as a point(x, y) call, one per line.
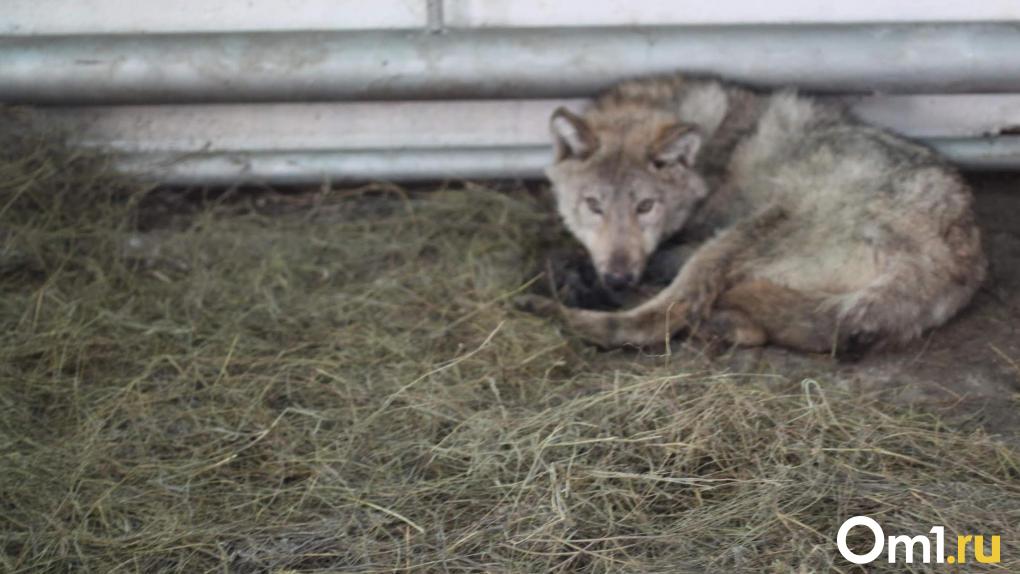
point(457, 123)
point(312, 167)
point(371, 65)
point(508, 162)
point(981, 154)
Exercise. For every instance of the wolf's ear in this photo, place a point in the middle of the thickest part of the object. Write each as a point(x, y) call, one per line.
point(574, 137)
point(676, 144)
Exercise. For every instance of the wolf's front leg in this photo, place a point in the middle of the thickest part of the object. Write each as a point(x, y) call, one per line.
point(641, 326)
point(686, 303)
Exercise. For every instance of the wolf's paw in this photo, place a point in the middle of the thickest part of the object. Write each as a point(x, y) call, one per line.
point(538, 305)
point(572, 280)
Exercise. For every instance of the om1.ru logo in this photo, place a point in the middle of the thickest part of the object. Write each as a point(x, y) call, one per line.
point(910, 545)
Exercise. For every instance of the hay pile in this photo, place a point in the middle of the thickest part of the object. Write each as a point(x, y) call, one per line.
point(342, 387)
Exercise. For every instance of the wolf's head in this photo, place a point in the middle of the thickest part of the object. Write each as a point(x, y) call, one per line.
point(622, 187)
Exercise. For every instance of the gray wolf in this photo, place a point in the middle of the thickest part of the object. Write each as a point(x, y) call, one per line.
point(818, 232)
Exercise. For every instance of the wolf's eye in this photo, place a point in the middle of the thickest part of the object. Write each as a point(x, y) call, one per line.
point(593, 205)
point(645, 206)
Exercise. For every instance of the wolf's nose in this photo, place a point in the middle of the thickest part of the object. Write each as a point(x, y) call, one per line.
point(619, 281)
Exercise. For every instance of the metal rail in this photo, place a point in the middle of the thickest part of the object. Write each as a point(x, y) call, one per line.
point(506, 162)
point(483, 63)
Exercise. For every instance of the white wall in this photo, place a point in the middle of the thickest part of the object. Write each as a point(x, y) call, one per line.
point(29, 17)
point(540, 13)
point(43, 17)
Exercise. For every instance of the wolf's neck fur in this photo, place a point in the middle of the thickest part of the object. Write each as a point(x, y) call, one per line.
point(726, 117)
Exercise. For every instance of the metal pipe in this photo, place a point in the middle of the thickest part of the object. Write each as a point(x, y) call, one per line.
point(309, 126)
point(305, 167)
point(522, 162)
point(981, 154)
point(445, 124)
point(315, 66)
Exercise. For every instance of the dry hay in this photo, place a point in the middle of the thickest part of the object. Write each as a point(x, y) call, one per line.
point(343, 387)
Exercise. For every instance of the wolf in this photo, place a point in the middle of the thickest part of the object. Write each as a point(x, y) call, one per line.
point(817, 231)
